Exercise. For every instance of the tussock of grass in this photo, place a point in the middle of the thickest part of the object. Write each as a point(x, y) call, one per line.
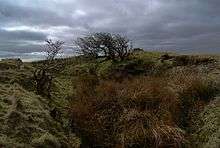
point(142, 129)
point(143, 111)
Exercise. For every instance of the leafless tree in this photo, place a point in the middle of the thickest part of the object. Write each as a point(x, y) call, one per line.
point(123, 46)
point(52, 49)
point(87, 46)
point(111, 46)
point(42, 75)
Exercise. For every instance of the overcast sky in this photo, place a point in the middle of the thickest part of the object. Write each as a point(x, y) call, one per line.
point(181, 25)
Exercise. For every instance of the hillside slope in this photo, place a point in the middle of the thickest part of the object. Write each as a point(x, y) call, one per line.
point(26, 120)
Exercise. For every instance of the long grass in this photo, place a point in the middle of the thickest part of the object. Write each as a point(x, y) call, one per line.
point(145, 111)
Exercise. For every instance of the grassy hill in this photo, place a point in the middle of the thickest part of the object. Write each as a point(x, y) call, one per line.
point(151, 99)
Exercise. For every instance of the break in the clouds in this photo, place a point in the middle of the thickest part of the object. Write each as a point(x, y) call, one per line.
point(184, 26)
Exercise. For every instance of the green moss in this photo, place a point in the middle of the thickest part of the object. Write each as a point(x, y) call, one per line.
point(85, 68)
point(25, 120)
point(208, 133)
point(148, 55)
point(104, 68)
point(46, 140)
point(6, 65)
point(12, 71)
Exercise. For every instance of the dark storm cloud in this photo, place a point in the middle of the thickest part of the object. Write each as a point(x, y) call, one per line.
point(12, 13)
point(189, 25)
point(21, 35)
point(17, 42)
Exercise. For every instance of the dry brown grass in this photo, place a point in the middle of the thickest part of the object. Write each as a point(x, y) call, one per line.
point(143, 129)
point(141, 112)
